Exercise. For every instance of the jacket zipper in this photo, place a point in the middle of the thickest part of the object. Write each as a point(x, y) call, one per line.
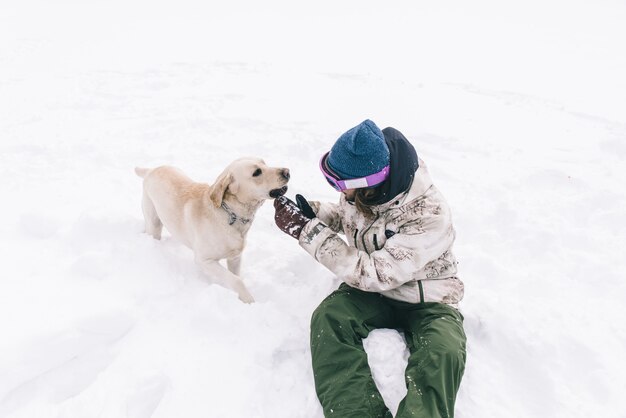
point(421, 289)
point(365, 231)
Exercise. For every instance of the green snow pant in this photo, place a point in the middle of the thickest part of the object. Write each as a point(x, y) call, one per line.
point(343, 380)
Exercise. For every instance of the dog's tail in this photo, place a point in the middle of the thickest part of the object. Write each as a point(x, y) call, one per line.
point(142, 172)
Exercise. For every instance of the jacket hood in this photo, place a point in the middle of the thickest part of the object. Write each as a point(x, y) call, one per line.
point(403, 163)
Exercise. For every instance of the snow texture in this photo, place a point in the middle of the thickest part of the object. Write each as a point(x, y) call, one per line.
point(519, 110)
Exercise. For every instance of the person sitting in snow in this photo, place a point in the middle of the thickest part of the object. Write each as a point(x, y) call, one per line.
point(398, 272)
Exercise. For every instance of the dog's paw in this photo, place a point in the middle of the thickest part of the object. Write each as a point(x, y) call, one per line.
point(246, 297)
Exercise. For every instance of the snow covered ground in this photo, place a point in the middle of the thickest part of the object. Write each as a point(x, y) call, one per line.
point(519, 109)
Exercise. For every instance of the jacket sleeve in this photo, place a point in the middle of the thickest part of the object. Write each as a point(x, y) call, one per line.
point(330, 214)
point(416, 243)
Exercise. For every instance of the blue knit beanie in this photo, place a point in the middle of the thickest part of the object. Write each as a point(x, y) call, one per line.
point(360, 152)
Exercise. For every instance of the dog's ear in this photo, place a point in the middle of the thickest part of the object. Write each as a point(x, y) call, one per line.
point(223, 182)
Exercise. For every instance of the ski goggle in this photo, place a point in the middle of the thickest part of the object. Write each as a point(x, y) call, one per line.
point(341, 185)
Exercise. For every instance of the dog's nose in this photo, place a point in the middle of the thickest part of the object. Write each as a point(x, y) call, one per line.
point(285, 173)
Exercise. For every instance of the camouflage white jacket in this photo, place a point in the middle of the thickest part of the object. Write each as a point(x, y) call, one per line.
point(403, 251)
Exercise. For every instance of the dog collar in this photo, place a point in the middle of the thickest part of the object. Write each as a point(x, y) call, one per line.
point(232, 217)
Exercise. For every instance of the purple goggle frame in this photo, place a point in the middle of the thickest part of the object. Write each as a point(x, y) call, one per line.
point(341, 185)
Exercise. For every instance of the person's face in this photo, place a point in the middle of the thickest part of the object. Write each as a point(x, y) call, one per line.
point(349, 194)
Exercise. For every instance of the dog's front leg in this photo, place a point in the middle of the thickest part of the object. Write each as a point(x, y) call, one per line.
point(225, 278)
point(234, 264)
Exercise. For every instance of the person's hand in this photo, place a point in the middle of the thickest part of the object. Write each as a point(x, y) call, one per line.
point(289, 217)
point(305, 207)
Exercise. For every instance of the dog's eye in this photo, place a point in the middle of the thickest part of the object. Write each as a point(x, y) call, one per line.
point(257, 173)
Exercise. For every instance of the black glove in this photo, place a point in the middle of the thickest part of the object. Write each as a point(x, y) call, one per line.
point(288, 217)
point(304, 207)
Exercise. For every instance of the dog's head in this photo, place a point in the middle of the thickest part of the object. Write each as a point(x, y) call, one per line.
point(251, 180)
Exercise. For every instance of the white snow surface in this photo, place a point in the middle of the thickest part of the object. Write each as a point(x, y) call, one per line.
point(518, 108)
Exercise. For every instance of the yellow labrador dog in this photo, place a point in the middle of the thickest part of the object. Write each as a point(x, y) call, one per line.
point(212, 220)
